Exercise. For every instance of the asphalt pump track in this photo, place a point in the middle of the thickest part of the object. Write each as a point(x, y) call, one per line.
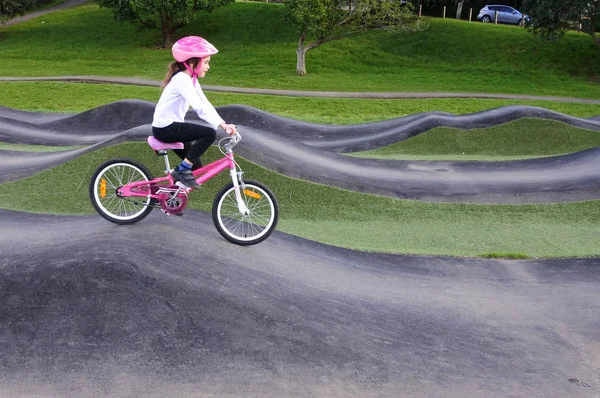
point(167, 307)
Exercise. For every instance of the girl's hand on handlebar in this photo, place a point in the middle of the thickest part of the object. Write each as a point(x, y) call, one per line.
point(229, 128)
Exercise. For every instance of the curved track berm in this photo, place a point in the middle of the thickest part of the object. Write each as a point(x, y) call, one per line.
point(310, 151)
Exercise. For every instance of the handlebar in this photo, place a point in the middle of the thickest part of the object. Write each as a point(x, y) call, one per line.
point(233, 140)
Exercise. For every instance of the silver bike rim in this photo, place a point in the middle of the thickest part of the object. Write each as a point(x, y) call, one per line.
point(117, 175)
point(246, 228)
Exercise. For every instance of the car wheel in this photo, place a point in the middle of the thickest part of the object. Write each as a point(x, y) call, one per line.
point(486, 19)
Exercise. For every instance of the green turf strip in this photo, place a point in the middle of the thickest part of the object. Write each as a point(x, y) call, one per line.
point(349, 219)
point(524, 138)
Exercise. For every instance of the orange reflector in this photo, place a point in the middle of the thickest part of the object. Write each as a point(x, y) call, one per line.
point(103, 188)
point(252, 194)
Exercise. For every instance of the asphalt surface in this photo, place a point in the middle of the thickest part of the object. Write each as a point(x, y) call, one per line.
point(168, 307)
point(313, 152)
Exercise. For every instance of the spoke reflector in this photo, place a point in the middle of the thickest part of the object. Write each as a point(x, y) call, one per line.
point(103, 188)
point(252, 194)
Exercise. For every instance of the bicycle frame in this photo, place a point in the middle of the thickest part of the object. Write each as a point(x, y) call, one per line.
point(153, 188)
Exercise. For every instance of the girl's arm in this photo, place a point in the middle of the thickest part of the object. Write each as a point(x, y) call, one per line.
point(198, 101)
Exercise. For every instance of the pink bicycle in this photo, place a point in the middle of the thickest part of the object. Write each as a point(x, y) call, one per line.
point(123, 191)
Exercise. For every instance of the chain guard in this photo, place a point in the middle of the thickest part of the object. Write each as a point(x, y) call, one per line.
point(172, 199)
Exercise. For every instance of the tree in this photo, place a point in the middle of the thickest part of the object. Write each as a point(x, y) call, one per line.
point(552, 18)
point(459, 8)
point(166, 15)
point(320, 21)
point(11, 8)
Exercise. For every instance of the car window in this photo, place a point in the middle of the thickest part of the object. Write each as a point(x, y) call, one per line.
point(508, 9)
point(493, 8)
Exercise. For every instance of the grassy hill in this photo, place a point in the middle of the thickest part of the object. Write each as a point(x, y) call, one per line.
point(450, 56)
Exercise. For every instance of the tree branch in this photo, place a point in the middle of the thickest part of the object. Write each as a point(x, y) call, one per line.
point(318, 42)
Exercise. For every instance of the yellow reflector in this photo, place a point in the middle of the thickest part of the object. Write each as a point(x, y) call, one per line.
point(103, 188)
point(252, 194)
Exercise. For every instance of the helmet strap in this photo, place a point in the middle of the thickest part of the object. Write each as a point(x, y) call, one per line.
point(194, 73)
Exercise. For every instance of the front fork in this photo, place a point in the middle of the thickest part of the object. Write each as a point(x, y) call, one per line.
point(235, 178)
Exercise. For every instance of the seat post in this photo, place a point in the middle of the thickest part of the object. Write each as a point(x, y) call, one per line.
point(168, 167)
point(163, 153)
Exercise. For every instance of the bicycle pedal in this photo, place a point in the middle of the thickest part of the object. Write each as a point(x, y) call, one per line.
point(183, 186)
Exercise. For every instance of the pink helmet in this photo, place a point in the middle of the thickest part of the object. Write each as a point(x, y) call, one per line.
point(192, 47)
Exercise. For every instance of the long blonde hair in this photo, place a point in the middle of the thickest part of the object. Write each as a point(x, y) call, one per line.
point(176, 67)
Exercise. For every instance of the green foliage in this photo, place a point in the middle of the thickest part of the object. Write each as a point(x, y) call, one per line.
point(511, 256)
point(320, 17)
point(326, 20)
point(12, 8)
point(552, 18)
point(166, 15)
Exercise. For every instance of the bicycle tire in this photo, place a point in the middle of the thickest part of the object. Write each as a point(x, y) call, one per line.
point(130, 170)
point(253, 228)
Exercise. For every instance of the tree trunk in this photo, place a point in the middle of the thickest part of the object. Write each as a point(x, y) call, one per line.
point(163, 30)
point(168, 39)
point(301, 57)
point(459, 9)
point(167, 30)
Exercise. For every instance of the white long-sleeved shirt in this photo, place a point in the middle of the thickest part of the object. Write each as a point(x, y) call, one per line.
point(176, 99)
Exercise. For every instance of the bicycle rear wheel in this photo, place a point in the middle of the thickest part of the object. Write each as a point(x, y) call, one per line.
point(263, 214)
point(107, 179)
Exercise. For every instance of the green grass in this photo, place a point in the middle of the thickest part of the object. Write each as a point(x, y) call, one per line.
point(349, 219)
point(34, 148)
point(511, 256)
point(524, 138)
point(450, 56)
point(78, 97)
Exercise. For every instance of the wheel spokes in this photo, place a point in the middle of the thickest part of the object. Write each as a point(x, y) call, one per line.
point(260, 214)
point(116, 176)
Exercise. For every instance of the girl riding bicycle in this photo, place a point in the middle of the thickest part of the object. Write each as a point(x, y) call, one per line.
point(181, 90)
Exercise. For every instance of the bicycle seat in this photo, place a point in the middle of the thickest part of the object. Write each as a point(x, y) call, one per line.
point(161, 146)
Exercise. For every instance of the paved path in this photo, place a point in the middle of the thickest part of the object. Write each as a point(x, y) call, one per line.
point(66, 4)
point(302, 93)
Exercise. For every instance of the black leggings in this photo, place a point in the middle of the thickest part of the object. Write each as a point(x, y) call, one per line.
point(196, 139)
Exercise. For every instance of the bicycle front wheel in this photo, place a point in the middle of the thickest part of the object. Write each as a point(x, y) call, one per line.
point(257, 225)
point(107, 179)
